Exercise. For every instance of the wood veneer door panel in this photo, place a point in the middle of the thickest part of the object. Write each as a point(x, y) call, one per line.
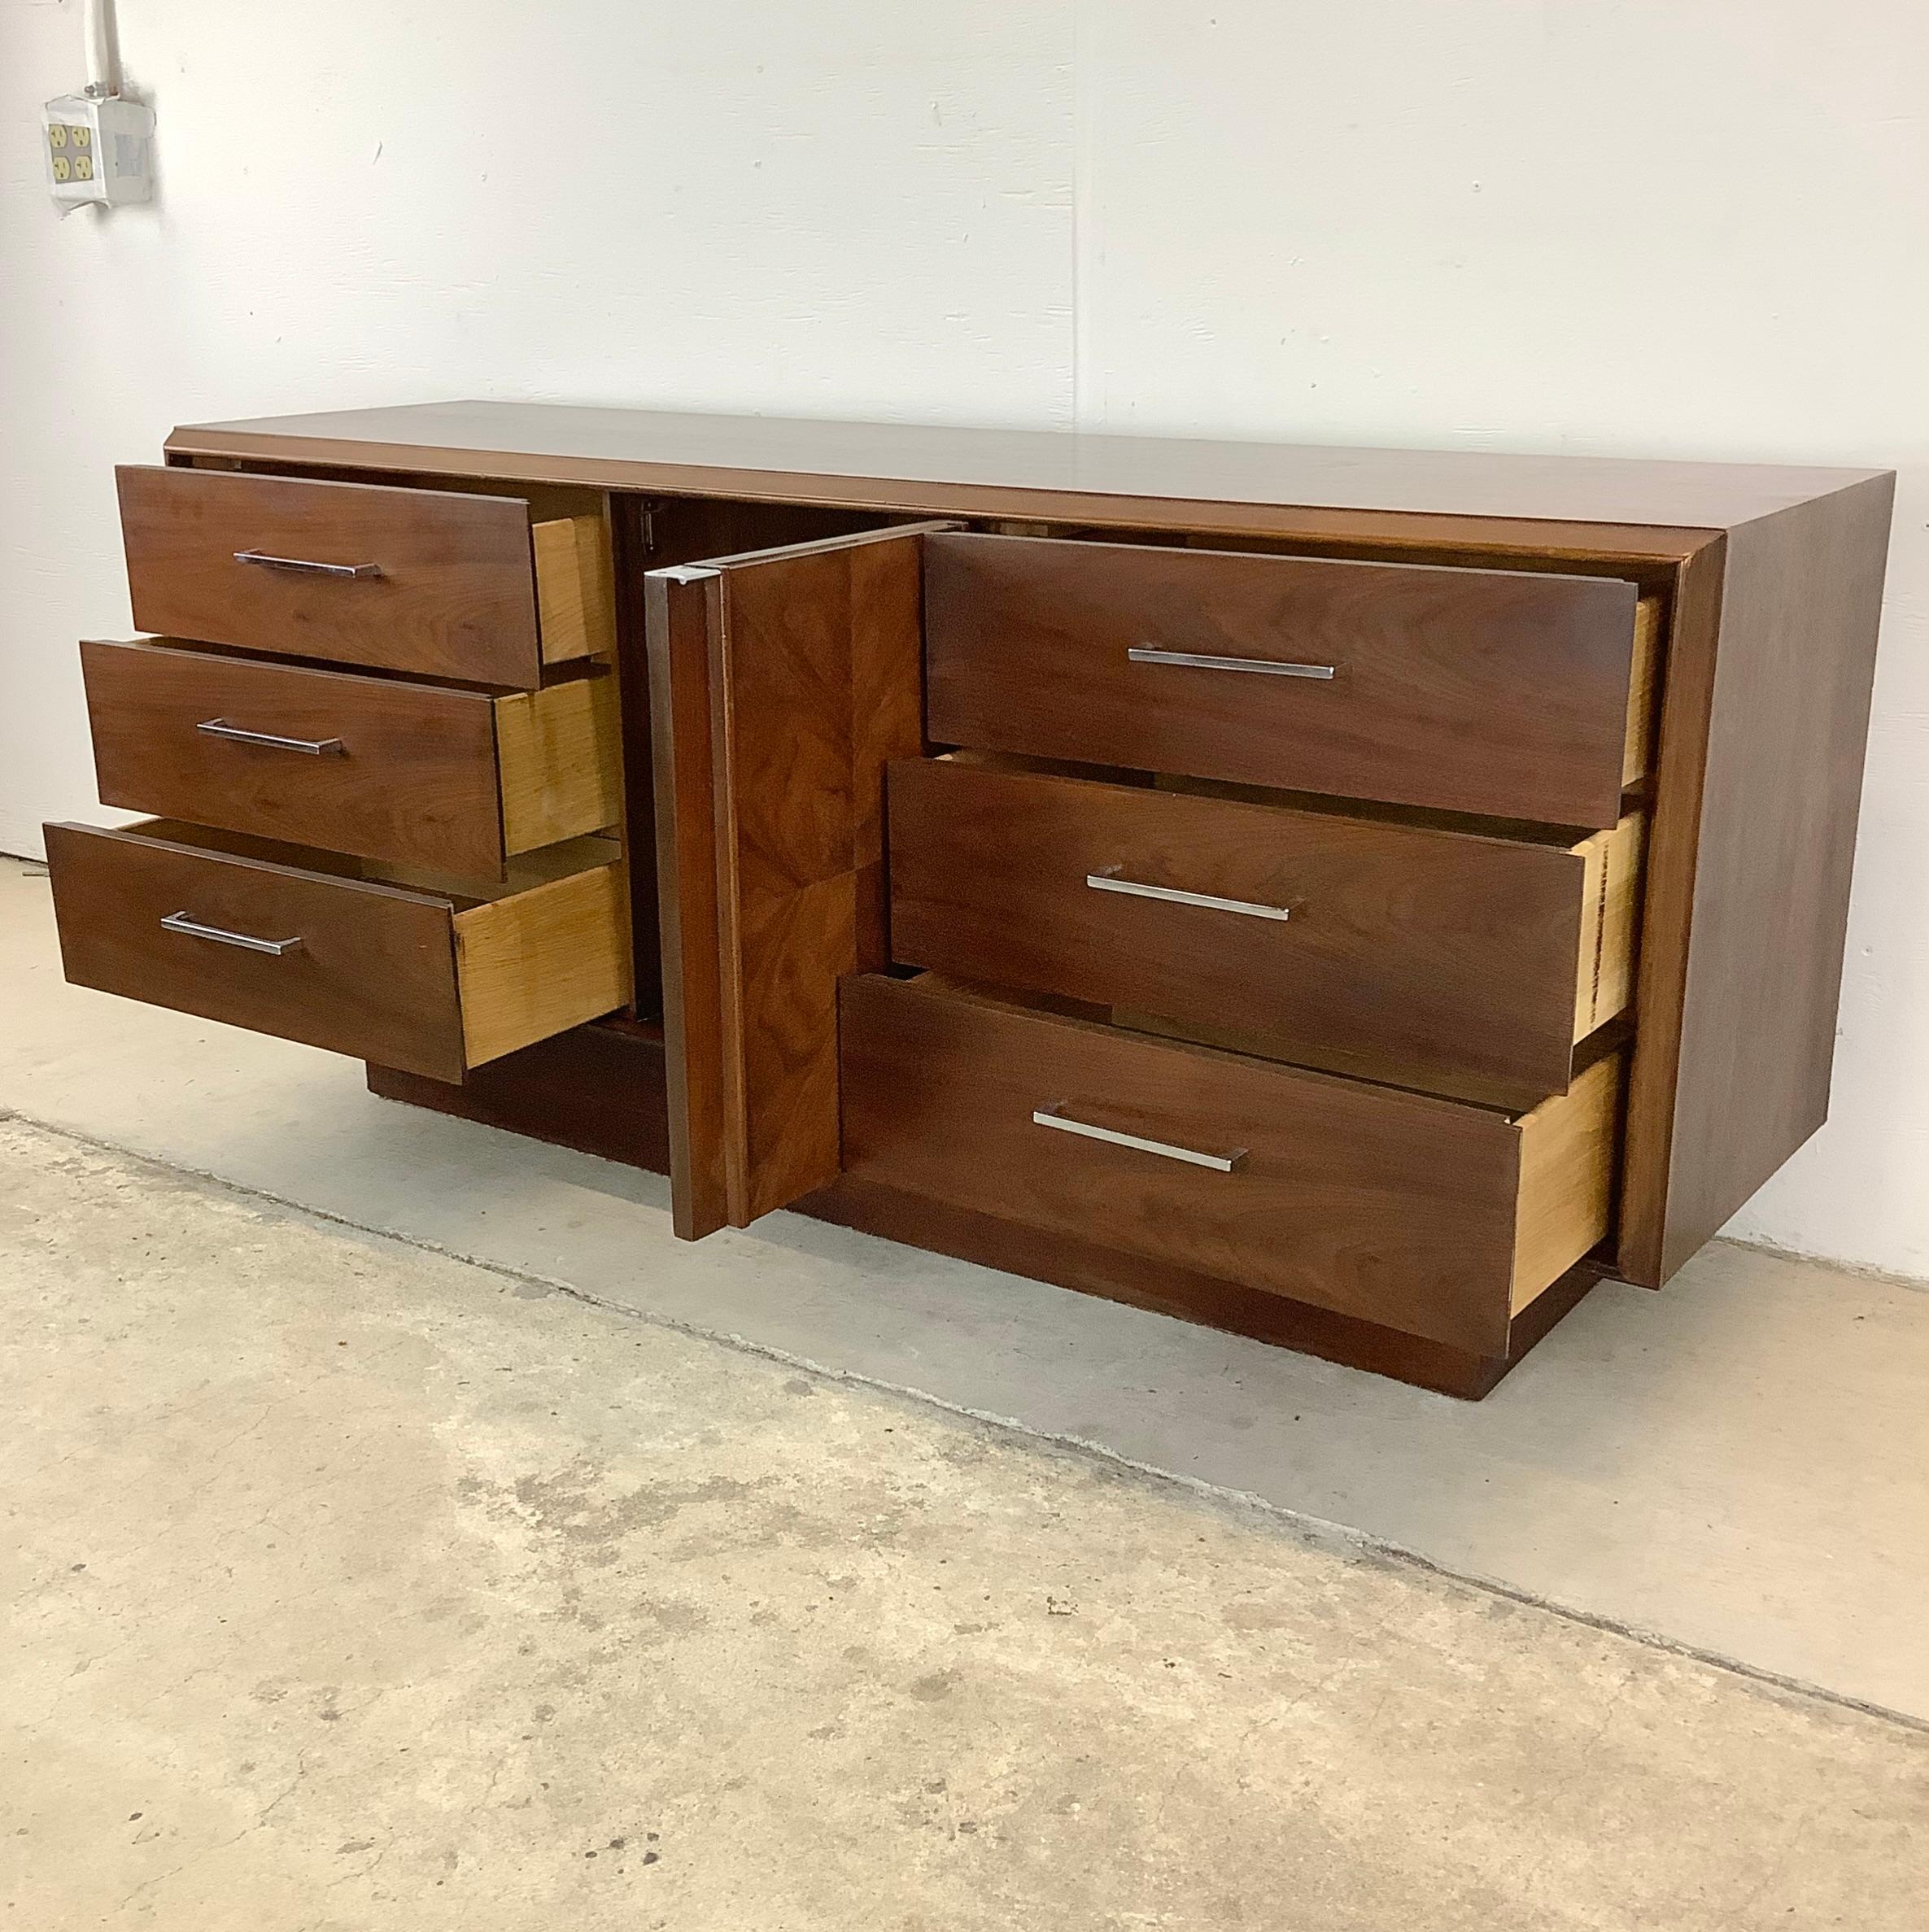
point(373, 975)
point(409, 774)
point(1477, 690)
point(453, 595)
point(1435, 959)
point(1392, 1208)
point(681, 607)
point(781, 682)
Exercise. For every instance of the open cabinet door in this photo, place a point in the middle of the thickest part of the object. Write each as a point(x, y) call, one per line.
point(781, 682)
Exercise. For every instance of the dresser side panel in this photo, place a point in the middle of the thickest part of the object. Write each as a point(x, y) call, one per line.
point(1781, 792)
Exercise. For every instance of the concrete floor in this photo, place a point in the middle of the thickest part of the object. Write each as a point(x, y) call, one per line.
point(352, 1586)
point(1739, 1465)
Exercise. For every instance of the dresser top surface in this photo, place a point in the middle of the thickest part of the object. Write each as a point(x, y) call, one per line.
point(1014, 471)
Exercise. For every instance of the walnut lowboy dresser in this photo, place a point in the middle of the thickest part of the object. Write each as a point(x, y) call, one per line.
point(1354, 897)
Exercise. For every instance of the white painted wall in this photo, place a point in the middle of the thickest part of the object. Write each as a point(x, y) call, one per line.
point(1691, 227)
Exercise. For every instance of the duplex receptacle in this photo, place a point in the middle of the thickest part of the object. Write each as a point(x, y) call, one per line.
point(99, 150)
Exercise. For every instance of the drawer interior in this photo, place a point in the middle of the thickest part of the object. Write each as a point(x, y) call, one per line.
point(575, 590)
point(559, 752)
point(545, 949)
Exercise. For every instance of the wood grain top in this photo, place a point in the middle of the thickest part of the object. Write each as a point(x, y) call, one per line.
point(901, 466)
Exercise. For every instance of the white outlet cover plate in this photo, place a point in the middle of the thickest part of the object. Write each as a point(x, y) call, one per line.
point(100, 153)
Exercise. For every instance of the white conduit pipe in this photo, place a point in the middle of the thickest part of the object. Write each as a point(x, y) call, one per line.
point(104, 48)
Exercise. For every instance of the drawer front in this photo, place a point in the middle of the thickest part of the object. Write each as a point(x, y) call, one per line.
point(367, 766)
point(287, 942)
point(421, 774)
point(408, 580)
point(371, 971)
point(1464, 964)
point(1418, 1214)
point(1500, 693)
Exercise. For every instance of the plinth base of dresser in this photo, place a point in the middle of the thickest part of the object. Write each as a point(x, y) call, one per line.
point(598, 1089)
point(601, 1090)
point(1119, 1277)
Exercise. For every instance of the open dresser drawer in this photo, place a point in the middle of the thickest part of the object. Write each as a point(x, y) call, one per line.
point(417, 975)
point(1467, 957)
point(438, 583)
point(1418, 1214)
point(458, 780)
point(1518, 694)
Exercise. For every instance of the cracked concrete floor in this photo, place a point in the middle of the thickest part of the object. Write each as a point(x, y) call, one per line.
point(354, 1586)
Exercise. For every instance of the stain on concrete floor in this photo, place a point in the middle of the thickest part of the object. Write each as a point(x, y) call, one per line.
point(354, 1587)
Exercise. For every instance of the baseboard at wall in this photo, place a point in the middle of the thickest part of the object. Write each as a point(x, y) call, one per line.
point(1862, 1270)
point(21, 839)
point(21, 834)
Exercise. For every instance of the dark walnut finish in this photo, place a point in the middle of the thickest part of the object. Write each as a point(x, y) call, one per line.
point(452, 591)
point(1391, 1207)
point(782, 684)
point(1431, 958)
point(408, 772)
point(1170, 482)
point(600, 1089)
point(650, 535)
point(1117, 1274)
point(372, 973)
point(1765, 730)
point(777, 702)
point(1502, 668)
point(1474, 691)
point(413, 971)
point(434, 775)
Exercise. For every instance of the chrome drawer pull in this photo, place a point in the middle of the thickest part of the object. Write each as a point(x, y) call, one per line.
point(316, 747)
point(304, 564)
point(1219, 1163)
point(1192, 661)
point(1109, 882)
point(192, 929)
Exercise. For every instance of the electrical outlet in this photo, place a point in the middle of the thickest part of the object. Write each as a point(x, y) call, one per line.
point(99, 149)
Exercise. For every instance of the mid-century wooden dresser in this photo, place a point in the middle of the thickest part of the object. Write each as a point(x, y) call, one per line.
point(1355, 897)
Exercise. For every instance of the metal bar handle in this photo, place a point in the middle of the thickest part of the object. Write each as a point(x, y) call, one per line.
point(316, 747)
point(307, 564)
point(1109, 881)
point(192, 929)
point(1055, 1116)
point(1268, 667)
